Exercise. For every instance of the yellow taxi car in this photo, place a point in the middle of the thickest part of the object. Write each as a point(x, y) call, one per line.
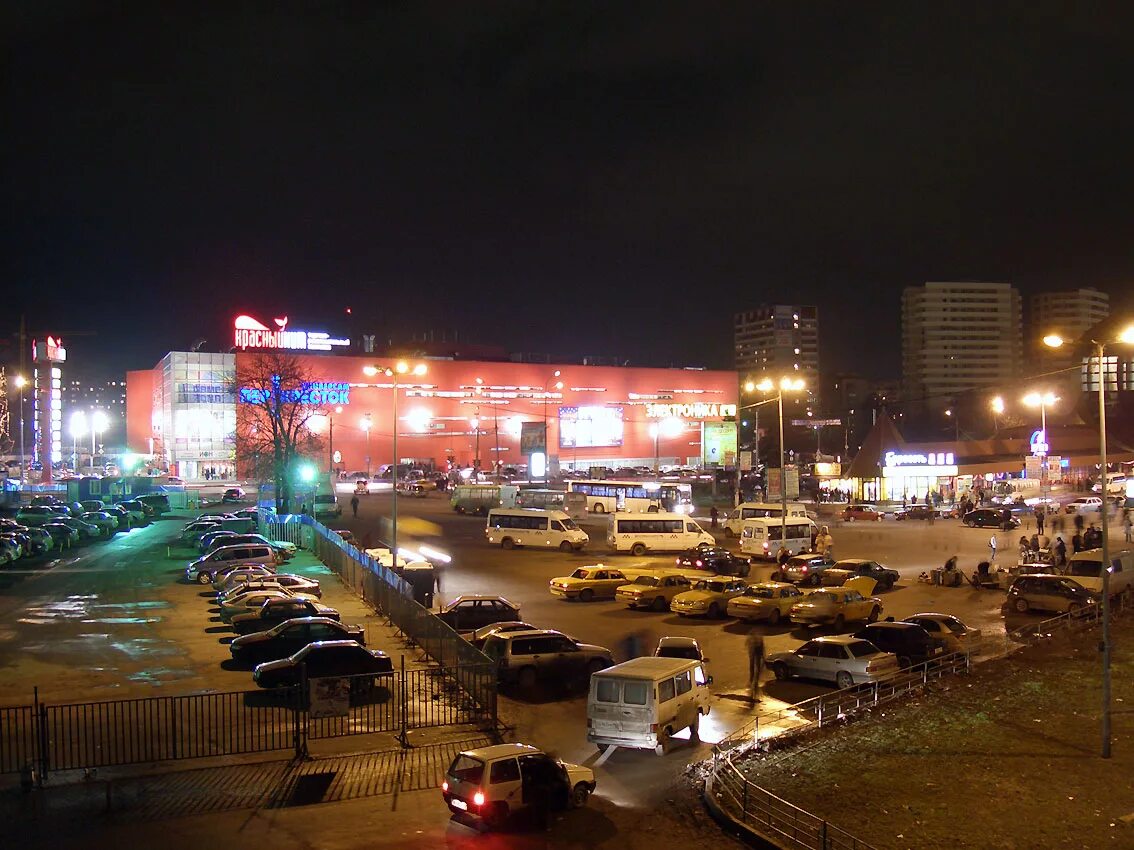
point(709, 597)
point(768, 600)
point(836, 607)
point(587, 583)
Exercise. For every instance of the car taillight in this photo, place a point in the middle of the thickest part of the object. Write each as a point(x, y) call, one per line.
point(445, 785)
point(478, 798)
point(803, 569)
point(700, 563)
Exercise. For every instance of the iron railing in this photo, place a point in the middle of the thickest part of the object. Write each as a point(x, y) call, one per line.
point(77, 736)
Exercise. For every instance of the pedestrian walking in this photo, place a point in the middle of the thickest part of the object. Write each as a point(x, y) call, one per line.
point(1076, 543)
point(992, 547)
point(354, 505)
point(1127, 522)
point(1060, 552)
point(755, 646)
point(1079, 523)
point(713, 514)
point(824, 542)
point(1039, 519)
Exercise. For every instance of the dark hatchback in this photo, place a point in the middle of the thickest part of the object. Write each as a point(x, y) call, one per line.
point(917, 512)
point(324, 659)
point(469, 612)
point(990, 518)
point(911, 643)
point(715, 559)
point(291, 636)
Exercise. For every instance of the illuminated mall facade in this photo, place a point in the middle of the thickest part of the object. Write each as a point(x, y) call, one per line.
point(183, 413)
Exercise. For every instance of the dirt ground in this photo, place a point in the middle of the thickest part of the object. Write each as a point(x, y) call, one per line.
point(1007, 757)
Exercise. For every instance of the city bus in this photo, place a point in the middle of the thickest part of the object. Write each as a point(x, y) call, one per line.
point(538, 498)
point(605, 496)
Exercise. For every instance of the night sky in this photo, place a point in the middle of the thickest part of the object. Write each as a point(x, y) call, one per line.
point(579, 178)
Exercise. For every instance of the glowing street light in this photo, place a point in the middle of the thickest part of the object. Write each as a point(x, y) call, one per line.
point(22, 382)
point(78, 429)
point(399, 368)
point(1125, 336)
point(785, 385)
point(997, 406)
point(1042, 401)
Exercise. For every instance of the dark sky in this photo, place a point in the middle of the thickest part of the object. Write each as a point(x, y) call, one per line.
point(605, 178)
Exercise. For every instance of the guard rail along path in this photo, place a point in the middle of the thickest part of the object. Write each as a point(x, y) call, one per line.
point(732, 795)
point(387, 592)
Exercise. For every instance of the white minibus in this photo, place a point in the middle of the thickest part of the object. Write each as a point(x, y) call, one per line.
point(1086, 568)
point(644, 702)
point(511, 527)
point(756, 510)
point(655, 532)
point(763, 537)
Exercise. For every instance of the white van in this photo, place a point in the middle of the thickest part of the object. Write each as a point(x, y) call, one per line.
point(546, 529)
point(656, 532)
point(762, 538)
point(643, 703)
point(1086, 568)
point(734, 523)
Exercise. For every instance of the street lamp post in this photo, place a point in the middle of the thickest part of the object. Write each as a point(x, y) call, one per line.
point(366, 424)
point(997, 406)
point(546, 443)
point(78, 429)
point(786, 385)
point(22, 382)
point(399, 368)
point(99, 423)
point(1055, 341)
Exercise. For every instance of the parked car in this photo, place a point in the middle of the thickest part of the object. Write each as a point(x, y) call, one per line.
point(841, 659)
point(524, 658)
point(804, 569)
point(36, 514)
point(653, 590)
point(283, 548)
point(716, 559)
point(41, 541)
point(990, 518)
point(708, 597)
point(288, 581)
point(587, 583)
point(837, 574)
point(478, 637)
point(87, 530)
point(955, 635)
point(768, 600)
point(250, 599)
point(486, 784)
point(323, 659)
point(233, 495)
point(835, 607)
point(158, 501)
point(135, 510)
point(106, 523)
point(472, 611)
point(195, 529)
point(63, 534)
point(290, 636)
point(910, 642)
point(863, 513)
point(917, 512)
point(233, 578)
point(205, 569)
point(1044, 592)
point(680, 647)
point(123, 517)
point(1084, 504)
point(279, 609)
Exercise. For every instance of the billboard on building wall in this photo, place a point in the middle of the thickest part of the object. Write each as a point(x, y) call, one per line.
point(533, 438)
point(581, 427)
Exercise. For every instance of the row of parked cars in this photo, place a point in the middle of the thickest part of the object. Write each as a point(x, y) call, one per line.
point(283, 630)
point(47, 523)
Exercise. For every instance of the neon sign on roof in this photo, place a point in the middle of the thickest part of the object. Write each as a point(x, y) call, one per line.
point(252, 333)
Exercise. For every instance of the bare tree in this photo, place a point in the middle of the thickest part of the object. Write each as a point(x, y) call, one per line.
point(273, 419)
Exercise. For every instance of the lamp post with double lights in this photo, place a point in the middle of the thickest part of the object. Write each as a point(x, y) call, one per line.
point(1042, 401)
point(547, 386)
point(785, 385)
point(366, 423)
point(1125, 336)
point(399, 368)
point(22, 382)
point(99, 423)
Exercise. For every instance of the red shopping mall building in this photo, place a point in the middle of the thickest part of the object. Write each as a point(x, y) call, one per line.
point(183, 413)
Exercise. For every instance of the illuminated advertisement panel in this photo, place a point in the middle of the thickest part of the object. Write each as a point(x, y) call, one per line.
point(580, 427)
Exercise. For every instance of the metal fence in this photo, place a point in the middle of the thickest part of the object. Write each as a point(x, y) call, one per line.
point(75, 736)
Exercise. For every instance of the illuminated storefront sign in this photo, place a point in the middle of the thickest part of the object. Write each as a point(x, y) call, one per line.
point(1038, 443)
point(315, 394)
point(696, 410)
point(251, 333)
point(900, 465)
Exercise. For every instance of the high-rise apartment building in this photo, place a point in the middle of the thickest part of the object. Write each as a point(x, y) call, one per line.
point(958, 337)
point(1069, 314)
point(777, 340)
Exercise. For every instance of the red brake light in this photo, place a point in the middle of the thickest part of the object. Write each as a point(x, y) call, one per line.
point(700, 563)
point(478, 798)
point(803, 570)
point(445, 785)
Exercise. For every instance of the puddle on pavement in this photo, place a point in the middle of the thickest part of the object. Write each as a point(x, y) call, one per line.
point(159, 675)
point(86, 609)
